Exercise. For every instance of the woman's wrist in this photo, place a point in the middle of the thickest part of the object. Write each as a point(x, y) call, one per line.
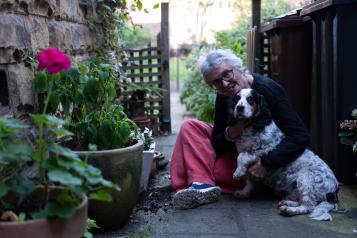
point(226, 134)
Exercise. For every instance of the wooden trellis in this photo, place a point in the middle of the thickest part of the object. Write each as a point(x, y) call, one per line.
point(150, 66)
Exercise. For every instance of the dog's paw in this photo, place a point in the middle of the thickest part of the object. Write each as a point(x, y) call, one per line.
point(238, 174)
point(288, 203)
point(292, 211)
point(242, 194)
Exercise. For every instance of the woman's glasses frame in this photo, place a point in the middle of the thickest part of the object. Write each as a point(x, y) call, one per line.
point(227, 76)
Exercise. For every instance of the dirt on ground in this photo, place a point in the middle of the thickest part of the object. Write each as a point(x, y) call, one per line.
point(155, 199)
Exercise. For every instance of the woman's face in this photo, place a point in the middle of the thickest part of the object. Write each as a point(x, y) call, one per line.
point(225, 79)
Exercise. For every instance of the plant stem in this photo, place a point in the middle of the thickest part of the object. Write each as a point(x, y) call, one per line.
point(48, 96)
point(42, 148)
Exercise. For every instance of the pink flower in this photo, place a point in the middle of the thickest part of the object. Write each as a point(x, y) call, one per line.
point(53, 60)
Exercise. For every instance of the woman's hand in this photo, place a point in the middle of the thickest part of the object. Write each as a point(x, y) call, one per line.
point(257, 171)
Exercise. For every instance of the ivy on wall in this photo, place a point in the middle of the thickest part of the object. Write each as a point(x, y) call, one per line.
point(111, 21)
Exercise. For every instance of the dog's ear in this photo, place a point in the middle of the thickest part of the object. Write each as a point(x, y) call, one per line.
point(231, 104)
point(263, 116)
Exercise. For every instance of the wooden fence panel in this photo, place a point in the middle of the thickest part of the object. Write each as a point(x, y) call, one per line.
point(150, 66)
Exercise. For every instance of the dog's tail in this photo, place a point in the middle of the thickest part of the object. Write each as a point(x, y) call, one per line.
point(321, 211)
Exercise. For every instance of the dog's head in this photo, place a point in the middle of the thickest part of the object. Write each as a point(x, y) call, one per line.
point(250, 105)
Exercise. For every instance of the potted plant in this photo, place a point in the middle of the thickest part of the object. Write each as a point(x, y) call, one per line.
point(135, 96)
point(43, 185)
point(348, 135)
point(148, 158)
point(84, 96)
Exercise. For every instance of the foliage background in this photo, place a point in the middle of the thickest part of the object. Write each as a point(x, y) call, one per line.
point(195, 94)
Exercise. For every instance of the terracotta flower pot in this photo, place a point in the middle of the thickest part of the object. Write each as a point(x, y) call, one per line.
point(73, 227)
point(121, 166)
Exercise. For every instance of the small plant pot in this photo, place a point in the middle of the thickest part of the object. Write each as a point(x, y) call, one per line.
point(136, 108)
point(73, 227)
point(148, 157)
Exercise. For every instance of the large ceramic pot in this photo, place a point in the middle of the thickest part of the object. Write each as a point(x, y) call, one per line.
point(73, 227)
point(123, 167)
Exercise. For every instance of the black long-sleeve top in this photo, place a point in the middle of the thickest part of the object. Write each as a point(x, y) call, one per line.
point(296, 135)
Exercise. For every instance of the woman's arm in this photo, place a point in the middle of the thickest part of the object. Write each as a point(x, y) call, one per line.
point(296, 137)
point(221, 120)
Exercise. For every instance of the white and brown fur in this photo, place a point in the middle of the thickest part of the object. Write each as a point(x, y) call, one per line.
point(309, 183)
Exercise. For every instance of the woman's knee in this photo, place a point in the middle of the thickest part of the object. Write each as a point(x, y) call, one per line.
point(192, 127)
point(189, 124)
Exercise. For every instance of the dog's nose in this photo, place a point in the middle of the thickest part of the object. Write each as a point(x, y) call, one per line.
point(240, 108)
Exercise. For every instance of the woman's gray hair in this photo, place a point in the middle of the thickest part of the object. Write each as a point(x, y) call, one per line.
point(214, 58)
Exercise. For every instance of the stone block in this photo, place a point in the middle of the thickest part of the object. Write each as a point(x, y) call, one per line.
point(45, 8)
point(82, 39)
point(38, 31)
point(21, 95)
point(70, 10)
point(8, 5)
point(15, 40)
point(70, 37)
point(88, 7)
point(60, 35)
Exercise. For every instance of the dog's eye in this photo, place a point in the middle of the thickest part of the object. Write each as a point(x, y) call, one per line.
point(250, 100)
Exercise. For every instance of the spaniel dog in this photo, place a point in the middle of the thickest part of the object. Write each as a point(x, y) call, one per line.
point(309, 183)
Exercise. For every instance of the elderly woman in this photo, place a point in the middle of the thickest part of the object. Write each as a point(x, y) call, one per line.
point(204, 157)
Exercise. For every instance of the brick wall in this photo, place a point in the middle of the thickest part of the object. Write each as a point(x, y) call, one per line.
point(29, 26)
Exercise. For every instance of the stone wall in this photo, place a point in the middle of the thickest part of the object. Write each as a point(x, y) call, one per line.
point(29, 26)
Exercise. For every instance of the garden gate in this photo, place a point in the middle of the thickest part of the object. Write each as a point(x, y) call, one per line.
point(150, 66)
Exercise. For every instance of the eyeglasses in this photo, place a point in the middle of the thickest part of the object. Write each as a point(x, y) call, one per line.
point(227, 76)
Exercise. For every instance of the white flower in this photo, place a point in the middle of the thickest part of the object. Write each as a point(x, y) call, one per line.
point(148, 131)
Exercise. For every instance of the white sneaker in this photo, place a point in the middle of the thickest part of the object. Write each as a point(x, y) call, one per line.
point(196, 195)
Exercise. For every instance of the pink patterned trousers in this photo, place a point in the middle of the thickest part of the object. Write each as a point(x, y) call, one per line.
point(194, 159)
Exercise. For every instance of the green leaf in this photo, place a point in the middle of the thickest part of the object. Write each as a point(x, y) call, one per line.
point(83, 69)
point(53, 103)
point(40, 82)
point(345, 134)
point(87, 234)
point(12, 123)
point(47, 119)
point(23, 186)
point(64, 151)
point(74, 74)
point(111, 92)
point(66, 210)
point(22, 216)
point(66, 104)
point(3, 189)
point(91, 91)
point(346, 141)
point(54, 120)
point(157, 5)
point(64, 177)
point(16, 151)
point(62, 132)
point(139, 5)
point(91, 224)
point(101, 195)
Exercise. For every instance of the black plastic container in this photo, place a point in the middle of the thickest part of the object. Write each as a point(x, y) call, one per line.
point(334, 80)
point(290, 41)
